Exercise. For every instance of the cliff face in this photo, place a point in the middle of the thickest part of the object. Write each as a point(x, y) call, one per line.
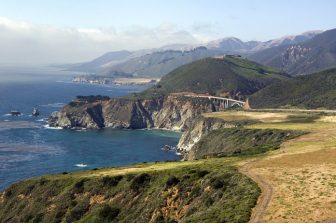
point(171, 112)
point(200, 127)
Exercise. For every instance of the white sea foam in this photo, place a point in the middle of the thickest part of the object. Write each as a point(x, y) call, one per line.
point(49, 127)
point(81, 165)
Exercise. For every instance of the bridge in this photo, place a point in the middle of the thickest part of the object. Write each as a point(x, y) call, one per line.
point(220, 103)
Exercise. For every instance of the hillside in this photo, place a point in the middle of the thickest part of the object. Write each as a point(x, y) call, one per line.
point(198, 191)
point(95, 65)
point(310, 91)
point(158, 64)
point(231, 75)
point(311, 56)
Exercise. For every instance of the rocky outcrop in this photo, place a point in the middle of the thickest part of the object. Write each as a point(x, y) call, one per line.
point(199, 128)
point(171, 112)
point(78, 117)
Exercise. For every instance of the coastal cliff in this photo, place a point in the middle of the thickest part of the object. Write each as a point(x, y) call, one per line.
point(171, 112)
point(199, 128)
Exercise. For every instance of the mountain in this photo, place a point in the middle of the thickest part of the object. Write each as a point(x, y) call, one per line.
point(235, 45)
point(230, 44)
point(310, 91)
point(311, 56)
point(95, 65)
point(229, 75)
point(159, 63)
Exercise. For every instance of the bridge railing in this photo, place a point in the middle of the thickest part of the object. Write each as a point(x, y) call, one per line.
point(214, 97)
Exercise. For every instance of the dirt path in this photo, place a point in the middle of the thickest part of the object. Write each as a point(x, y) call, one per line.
point(266, 192)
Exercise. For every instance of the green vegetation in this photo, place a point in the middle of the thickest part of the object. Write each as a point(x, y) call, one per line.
point(192, 191)
point(310, 91)
point(233, 75)
point(240, 141)
point(92, 98)
point(82, 100)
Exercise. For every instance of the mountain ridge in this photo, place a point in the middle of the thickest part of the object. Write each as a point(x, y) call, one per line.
point(316, 54)
point(141, 62)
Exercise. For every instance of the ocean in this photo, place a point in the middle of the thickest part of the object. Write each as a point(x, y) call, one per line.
point(29, 148)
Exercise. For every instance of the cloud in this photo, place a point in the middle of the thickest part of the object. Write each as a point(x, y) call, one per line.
point(30, 44)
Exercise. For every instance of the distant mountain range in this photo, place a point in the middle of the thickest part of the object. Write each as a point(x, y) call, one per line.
point(315, 54)
point(235, 45)
point(160, 61)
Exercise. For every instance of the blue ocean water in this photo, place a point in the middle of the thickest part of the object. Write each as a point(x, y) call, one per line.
point(27, 148)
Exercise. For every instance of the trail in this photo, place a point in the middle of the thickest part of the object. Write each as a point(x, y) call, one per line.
point(266, 192)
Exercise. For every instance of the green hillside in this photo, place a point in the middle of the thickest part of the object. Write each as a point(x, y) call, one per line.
point(232, 74)
point(194, 191)
point(310, 91)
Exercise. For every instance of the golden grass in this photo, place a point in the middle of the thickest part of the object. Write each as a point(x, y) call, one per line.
point(302, 172)
point(149, 167)
point(243, 115)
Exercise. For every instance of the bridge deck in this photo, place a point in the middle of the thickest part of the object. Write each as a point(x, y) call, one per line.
point(214, 97)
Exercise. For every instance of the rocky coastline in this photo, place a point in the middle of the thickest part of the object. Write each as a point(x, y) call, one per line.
point(176, 113)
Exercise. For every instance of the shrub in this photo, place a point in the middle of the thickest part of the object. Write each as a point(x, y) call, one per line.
point(140, 181)
point(172, 181)
point(216, 184)
point(77, 212)
point(108, 213)
point(111, 181)
point(38, 218)
point(8, 193)
point(78, 186)
point(202, 173)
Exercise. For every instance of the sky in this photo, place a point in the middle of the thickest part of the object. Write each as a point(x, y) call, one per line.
point(67, 31)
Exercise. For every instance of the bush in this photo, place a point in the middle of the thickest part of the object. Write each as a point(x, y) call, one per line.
point(216, 184)
point(140, 181)
point(202, 173)
point(79, 186)
point(172, 181)
point(111, 181)
point(77, 212)
point(108, 213)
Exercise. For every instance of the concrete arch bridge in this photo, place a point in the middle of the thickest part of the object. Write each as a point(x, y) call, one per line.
point(221, 103)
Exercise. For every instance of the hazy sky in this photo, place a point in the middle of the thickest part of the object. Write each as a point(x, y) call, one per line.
point(61, 31)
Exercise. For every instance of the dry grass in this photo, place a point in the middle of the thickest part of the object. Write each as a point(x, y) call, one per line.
point(302, 172)
point(242, 115)
point(304, 186)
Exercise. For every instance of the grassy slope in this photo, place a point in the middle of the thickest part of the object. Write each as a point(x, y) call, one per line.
point(231, 74)
point(199, 191)
point(240, 141)
point(311, 91)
